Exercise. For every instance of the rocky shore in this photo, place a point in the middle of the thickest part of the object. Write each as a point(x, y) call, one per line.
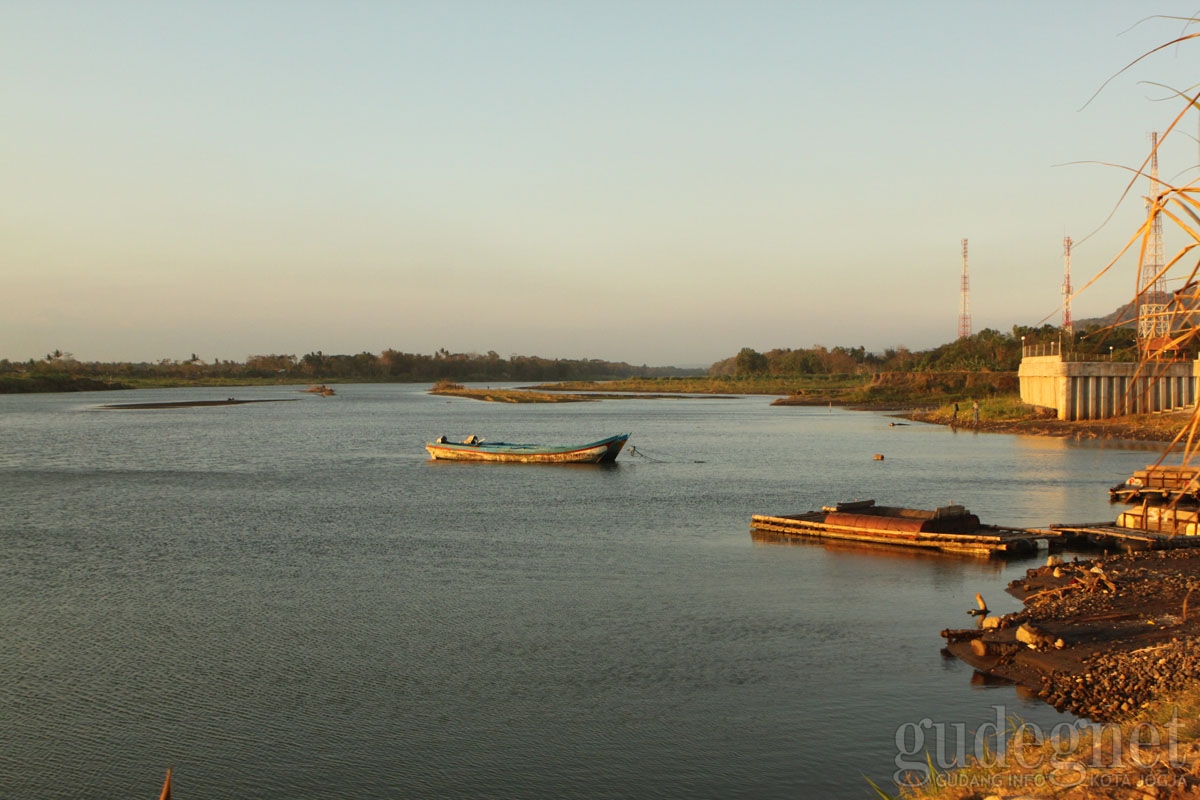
point(1098, 638)
point(1114, 641)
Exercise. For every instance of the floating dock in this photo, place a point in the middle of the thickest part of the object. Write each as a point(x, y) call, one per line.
point(1163, 511)
point(1159, 483)
point(1111, 536)
point(949, 529)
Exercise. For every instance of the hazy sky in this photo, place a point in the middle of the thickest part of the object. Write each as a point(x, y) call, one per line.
point(656, 182)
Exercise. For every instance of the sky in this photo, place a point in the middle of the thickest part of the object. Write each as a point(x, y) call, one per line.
point(661, 182)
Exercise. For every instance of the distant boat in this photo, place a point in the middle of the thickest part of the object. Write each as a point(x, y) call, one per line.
point(475, 449)
point(322, 389)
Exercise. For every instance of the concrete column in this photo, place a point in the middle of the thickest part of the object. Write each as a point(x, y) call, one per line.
point(1065, 401)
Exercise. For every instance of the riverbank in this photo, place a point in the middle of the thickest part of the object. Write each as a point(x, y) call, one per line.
point(1040, 422)
point(530, 395)
point(1097, 638)
point(1113, 640)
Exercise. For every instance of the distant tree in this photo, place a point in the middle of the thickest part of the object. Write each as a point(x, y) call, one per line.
point(749, 362)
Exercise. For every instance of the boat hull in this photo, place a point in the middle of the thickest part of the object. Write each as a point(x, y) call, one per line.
point(599, 452)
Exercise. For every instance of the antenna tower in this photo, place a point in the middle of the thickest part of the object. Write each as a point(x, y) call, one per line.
point(964, 305)
point(1067, 324)
point(1152, 289)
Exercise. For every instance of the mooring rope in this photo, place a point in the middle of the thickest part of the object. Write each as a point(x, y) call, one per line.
point(634, 451)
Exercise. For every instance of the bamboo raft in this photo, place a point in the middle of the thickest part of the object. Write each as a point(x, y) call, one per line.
point(1109, 536)
point(949, 529)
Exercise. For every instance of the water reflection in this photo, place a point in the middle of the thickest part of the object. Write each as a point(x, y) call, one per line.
point(838, 549)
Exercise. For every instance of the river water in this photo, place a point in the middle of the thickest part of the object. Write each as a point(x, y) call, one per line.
point(291, 600)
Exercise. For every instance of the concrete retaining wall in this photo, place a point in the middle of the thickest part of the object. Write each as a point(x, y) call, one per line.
point(1103, 389)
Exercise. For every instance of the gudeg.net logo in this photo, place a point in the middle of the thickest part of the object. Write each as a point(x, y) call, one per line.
point(1068, 754)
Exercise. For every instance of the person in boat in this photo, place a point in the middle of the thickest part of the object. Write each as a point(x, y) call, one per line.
point(441, 439)
point(472, 439)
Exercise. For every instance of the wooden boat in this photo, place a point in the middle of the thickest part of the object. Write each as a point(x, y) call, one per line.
point(475, 449)
point(949, 529)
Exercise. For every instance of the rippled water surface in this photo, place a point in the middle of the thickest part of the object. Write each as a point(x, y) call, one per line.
point(291, 600)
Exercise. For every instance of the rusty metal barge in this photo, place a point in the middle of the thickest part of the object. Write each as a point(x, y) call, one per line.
point(948, 529)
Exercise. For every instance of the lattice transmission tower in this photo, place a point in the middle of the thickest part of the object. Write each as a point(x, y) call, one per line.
point(964, 304)
point(1152, 287)
point(1068, 324)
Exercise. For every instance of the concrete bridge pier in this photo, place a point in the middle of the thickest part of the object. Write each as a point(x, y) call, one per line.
point(1102, 389)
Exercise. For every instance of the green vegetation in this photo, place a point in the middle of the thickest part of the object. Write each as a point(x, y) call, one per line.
point(825, 386)
point(987, 350)
point(908, 389)
point(816, 374)
point(60, 371)
point(1001, 408)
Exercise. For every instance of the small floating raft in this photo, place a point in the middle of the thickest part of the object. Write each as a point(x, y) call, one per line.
point(1164, 511)
point(1159, 483)
point(949, 529)
point(1111, 536)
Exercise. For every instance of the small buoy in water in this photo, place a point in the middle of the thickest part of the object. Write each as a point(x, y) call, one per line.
point(879, 456)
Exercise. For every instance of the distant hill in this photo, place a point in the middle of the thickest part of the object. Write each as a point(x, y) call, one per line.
point(1126, 316)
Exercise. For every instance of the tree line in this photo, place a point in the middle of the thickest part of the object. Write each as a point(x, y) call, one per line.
point(987, 350)
point(388, 366)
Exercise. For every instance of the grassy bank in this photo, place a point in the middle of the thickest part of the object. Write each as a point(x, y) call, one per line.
point(826, 387)
point(62, 382)
point(54, 382)
point(1008, 414)
point(451, 389)
point(880, 390)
